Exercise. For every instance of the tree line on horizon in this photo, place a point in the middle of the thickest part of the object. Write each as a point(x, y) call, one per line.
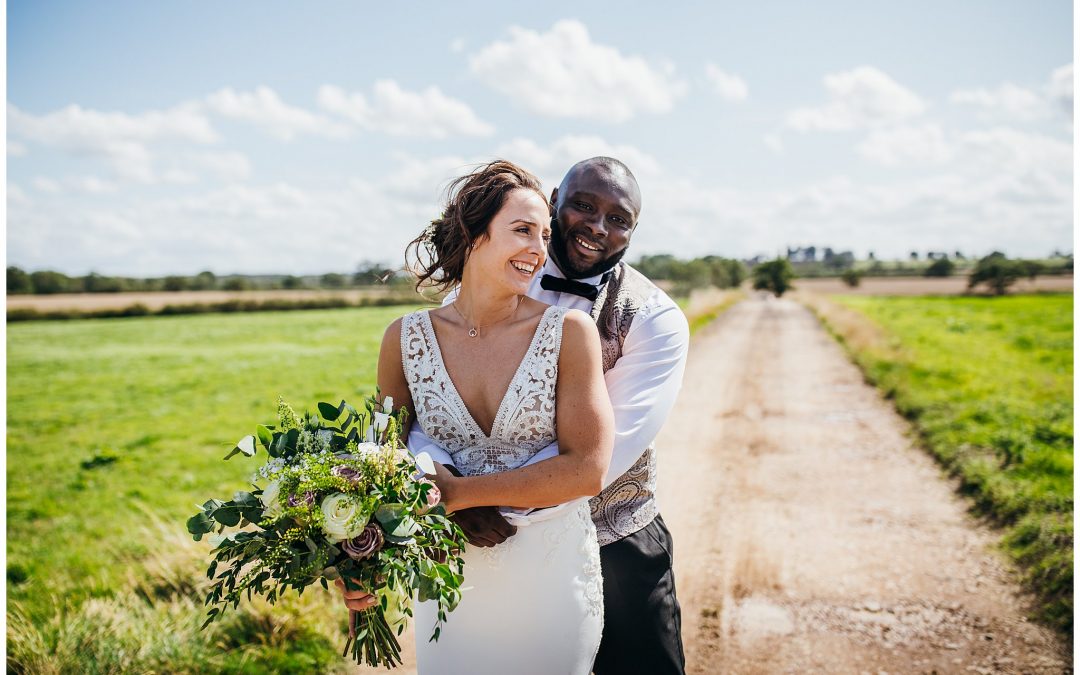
point(681, 275)
point(996, 271)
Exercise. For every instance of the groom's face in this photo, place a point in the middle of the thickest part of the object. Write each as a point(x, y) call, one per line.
point(596, 210)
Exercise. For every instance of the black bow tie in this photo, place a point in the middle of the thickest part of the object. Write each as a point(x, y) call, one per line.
point(560, 285)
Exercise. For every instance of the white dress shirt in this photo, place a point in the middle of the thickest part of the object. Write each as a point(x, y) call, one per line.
point(642, 385)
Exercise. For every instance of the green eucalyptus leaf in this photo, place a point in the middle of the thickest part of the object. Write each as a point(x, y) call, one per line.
point(266, 437)
point(227, 515)
point(200, 524)
point(329, 411)
point(277, 445)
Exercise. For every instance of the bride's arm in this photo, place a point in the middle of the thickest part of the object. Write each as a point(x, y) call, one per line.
point(584, 427)
point(391, 376)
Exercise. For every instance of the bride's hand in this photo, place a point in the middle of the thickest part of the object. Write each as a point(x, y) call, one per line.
point(355, 600)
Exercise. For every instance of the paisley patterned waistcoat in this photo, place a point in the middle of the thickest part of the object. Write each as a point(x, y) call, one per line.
point(629, 503)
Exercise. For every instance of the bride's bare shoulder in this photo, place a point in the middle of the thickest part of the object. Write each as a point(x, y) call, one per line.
point(579, 331)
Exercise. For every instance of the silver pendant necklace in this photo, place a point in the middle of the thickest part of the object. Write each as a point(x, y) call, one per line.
point(474, 331)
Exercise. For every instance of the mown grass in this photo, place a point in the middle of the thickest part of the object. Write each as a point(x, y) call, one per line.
point(112, 420)
point(988, 384)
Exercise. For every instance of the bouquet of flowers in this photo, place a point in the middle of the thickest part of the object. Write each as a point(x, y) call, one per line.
point(341, 498)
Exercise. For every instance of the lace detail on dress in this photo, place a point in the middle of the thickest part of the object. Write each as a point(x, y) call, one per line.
point(525, 421)
point(590, 547)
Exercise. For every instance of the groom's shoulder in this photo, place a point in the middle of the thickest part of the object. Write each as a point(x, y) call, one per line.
point(650, 293)
point(657, 311)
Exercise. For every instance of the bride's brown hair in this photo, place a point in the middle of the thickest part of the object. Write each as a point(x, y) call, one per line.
point(472, 201)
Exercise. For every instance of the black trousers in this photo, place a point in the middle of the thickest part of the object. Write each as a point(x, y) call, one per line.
point(642, 620)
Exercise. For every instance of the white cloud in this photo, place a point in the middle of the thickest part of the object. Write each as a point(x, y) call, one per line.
point(15, 149)
point(1007, 99)
point(225, 166)
point(91, 185)
point(265, 109)
point(863, 97)
point(1060, 88)
point(924, 144)
point(392, 110)
point(1009, 150)
point(1012, 102)
point(123, 140)
point(16, 196)
point(42, 184)
point(774, 143)
point(563, 73)
point(457, 45)
point(730, 87)
point(77, 129)
point(120, 138)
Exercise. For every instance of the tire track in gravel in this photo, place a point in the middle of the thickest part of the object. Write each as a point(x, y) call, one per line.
point(811, 535)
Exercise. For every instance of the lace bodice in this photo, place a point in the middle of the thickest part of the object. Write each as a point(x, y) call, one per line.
point(525, 421)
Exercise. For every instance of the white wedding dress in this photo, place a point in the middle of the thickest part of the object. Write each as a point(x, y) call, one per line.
point(533, 604)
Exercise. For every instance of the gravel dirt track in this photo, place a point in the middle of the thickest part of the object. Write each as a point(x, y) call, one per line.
point(811, 535)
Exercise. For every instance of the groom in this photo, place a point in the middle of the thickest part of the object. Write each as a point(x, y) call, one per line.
point(644, 338)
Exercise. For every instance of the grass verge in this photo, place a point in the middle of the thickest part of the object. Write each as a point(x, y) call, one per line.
point(987, 384)
point(702, 307)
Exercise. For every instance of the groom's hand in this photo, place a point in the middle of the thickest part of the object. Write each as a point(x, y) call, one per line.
point(483, 525)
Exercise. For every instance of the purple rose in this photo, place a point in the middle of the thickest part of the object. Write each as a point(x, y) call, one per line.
point(365, 544)
point(434, 495)
point(347, 472)
point(307, 500)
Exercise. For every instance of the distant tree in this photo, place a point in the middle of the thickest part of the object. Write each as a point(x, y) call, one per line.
point(870, 256)
point(914, 255)
point(18, 282)
point(997, 272)
point(660, 267)
point(851, 277)
point(958, 255)
point(774, 276)
point(1031, 268)
point(726, 272)
point(942, 267)
point(204, 281)
point(96, 283)
point(332, 280)
point(48, 282)
point(174, 284)
point(369, 272)
point(292, 282)
point(237, 284)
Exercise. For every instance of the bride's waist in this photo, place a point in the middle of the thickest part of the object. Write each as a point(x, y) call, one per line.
point(526, 517)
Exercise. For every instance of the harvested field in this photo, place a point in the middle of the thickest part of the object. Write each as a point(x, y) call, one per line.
point(927, 286)
point(88, 302)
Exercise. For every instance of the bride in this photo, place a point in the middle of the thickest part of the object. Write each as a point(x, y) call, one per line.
point(494, 377)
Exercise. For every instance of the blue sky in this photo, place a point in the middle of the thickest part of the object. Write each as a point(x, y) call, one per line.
point(159, 138)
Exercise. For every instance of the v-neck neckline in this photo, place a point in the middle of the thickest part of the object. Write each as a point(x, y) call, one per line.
point(499, 413)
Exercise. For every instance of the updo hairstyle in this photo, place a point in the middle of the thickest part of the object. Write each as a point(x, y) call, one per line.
point(473, 200)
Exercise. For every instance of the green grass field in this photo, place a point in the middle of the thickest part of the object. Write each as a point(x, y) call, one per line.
point(988, 383)
point(115, 425)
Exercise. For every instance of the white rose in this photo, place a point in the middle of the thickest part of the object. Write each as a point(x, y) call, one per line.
point(339, 509)
point(269, 499)
point(365, 449)
point(388, 404)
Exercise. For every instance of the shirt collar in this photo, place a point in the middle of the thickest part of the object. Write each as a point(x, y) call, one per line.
point(550, 267)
